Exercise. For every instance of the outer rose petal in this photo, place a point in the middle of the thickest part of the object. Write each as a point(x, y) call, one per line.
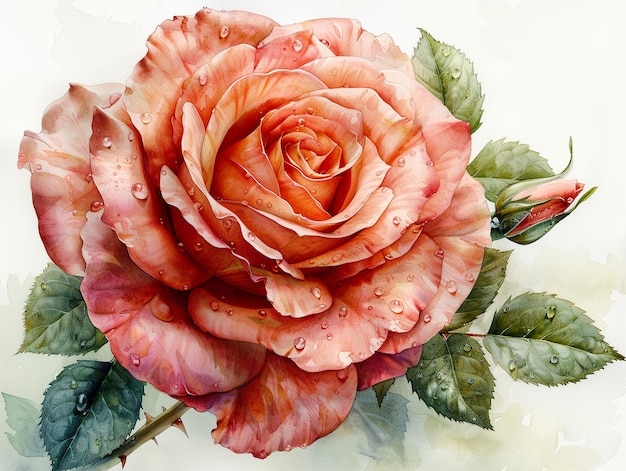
point(381, 367)
point(148, 327)
point(132, 205)
point(61, 183)
point(461, 232)
point(175, 50)
point(282, 408)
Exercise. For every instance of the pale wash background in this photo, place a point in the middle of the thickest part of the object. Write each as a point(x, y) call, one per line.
point(549, 70)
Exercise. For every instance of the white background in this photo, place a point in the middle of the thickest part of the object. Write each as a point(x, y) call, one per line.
point(549, 70)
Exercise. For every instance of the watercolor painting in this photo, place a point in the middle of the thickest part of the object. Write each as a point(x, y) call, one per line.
point(543, 70)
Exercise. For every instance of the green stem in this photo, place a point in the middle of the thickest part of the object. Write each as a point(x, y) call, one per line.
point(147, 432)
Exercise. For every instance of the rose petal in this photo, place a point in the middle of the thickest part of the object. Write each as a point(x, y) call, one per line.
point(281, 409)
point(364, 309)
point(175, 50)
point(148, 327)
point(461, 232)
point(132, 205)
point(381, 366)
point(346, 37)
point(58, 159)
point(289, 52)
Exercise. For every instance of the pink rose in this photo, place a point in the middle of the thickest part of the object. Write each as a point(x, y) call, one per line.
point(267, 218)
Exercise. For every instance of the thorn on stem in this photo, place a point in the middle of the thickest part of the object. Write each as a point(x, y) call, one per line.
point(178, 423)
point(123, 460)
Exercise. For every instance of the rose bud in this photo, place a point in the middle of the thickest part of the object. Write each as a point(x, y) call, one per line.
point(525, 213)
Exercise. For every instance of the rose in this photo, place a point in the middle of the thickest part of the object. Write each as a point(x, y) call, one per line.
point(267, 218)
point(526, 211)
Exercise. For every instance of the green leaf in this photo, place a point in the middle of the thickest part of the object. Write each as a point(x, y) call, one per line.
point(384, 424)
point(23, 417)
point(449, 75)
point(541, 339)
point(381, 389)
point(484, 291)
point(88, 411)
point(55, 317)
point(454, 379)
point(501, 164)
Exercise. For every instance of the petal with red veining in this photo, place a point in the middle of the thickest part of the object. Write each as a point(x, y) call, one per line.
point(132, 204)
point(58, 159)
point(282, 408)
point(148, 327)
point(175, 50)
point(381, 366)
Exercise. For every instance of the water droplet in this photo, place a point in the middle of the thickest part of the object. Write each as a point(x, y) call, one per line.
point(451, 287)
point(161, 310)
point(107, 142)
point(401, 162)
point(251, 237)
point(325, 42)
point(202, 78)
point(495, 222)
point(342, 374)
point(131, 137)
point(299, 343)
point(396, 221)
point(324, 325)
point(554, 359)
point(378, 291)
point(310, 110)
point(428, 318)
point(570, 200)
point(343, 310)
point(81, 402)
point(467, 348)
point(198, 206)
point(145, 118)
point(336, 257)
point(198, 246)
point(512, 366)
point(470, 381)
point(215, 306)
point(73, 384)
point(224, 32)
point(139, 191)
point(396, 306)
point(229, 312)
point(135, 359)
point(467, 94)
point(82, 343)
point(439, 253)
point(551, 312)
point(469, 277)
point(456, 73)
point(315, 291)
point(420, 375)
point(297, 45)
point(446, 51)
point(301, 121)
point(506, 309)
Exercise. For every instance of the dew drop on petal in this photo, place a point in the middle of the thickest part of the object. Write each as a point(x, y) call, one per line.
point(224, 32)
point(401, 162)
point(451, 287)
point(198, 206)
point(329, 337)
point(396, 306)
point(139, 191)
point(299, 343)
point(97, 206)
point(202, 78)
point(301, 121)
point(251, 237)
point(131, 136)
point(297, 45)
point(336, 257)
point(469, 277)
point(229, 312)
point(134, 358)
point(396, 221)
point(161, 310)
point(342, 375)
point(198, 247)
point(262, 314)
point(439, 253)
point(343, 310)
point(324, 324)
point(410, 277)
point(107, 142)
point(427, 318)
point(378, 291)
point(145, 118)
point(315, 291)
point(215, 306)
point(310, 110)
